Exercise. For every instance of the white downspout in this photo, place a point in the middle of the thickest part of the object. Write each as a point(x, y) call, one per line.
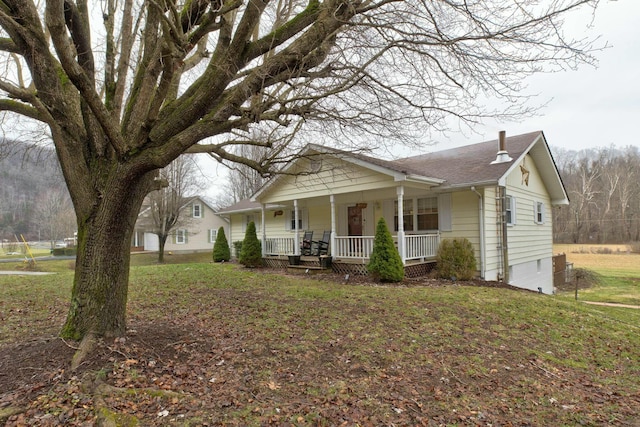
point(401, 249)
point(481, 223)
point(332, 245)
point(264, 230)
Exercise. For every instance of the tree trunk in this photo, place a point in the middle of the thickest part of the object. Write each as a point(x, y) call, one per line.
point(162, 241)
point(99, 294)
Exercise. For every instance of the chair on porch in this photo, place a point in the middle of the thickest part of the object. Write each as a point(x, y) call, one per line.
point(307, 243)
point(322, 246)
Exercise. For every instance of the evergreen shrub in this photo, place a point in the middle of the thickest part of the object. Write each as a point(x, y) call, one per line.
point(385, 263)
point(237, 245)
point(221, 251)
point(456, 260)
point(251, 253)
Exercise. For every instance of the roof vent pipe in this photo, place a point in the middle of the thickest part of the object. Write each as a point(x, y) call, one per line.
point(503, 155)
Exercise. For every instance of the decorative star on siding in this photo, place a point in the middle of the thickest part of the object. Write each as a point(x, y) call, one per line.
point(525, 174)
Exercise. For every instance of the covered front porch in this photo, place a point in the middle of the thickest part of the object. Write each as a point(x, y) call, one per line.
point(348, 226)
point(417, 247)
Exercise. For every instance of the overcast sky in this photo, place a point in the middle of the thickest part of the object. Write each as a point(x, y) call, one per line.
point(590, 107)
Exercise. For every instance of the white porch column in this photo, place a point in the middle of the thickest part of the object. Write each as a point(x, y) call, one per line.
point(332, 244)
point(401, 248)
point(264, 229)
point(296, 216)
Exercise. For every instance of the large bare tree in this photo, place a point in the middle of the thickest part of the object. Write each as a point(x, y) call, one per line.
point(125, 87)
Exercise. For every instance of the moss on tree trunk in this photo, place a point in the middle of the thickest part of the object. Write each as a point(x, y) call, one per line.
point(99, 293)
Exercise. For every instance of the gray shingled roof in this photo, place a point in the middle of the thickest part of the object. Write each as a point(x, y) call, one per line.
point(242, 205)
point(462, 166)
point(469, 164)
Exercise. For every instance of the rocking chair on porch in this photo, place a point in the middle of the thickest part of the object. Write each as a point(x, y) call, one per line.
point(307, 242)
point(322, 246)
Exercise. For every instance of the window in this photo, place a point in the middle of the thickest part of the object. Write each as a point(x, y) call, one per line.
point(212, 235)
point(290, 224)
point(292, 220)
point(181, 237)
point(407, 207)
point(425, 217)
point(197, 210)
point(510, 210)
point(428, 213)
point(539, 213)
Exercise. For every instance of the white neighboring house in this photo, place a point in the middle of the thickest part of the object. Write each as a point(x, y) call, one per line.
point(498, 194)
point(197, 232)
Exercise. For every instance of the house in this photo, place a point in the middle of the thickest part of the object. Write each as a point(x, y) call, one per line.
point(498, 194)
point(196, 230)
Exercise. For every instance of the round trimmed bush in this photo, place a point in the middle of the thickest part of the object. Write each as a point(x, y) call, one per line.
point(456, 260)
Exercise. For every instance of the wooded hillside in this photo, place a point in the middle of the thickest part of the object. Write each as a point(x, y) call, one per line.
point(604, 191)
point(29, 180)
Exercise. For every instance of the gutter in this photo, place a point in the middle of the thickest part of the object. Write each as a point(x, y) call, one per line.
point(482, 230)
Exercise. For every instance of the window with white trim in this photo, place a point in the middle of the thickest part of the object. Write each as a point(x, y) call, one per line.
point(539, 213)
point(292, 220)
point(427, 213)
point(212, 235)
point(510, 210)
point(407, 218)
point(303, 222)
point(197, 210)
point(181, 236)
point(423, 218)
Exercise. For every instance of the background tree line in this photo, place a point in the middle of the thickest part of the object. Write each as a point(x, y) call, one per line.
point(603, 185)
point(604, 191)
point(34, 200)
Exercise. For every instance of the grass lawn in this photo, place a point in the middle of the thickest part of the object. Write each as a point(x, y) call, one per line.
point(618, 270)
point(216, 344)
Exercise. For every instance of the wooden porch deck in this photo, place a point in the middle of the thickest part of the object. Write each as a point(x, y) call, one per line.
point(344, 266)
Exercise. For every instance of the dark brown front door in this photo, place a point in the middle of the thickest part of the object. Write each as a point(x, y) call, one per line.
point(355, 221)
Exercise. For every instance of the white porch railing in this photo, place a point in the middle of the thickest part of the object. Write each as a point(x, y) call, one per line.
point(352, 247)
point(280, 246)
point(417, 246)
point(421, 246)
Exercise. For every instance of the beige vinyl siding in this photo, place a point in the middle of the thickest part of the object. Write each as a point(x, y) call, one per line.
point(197, 229)
point(236, 231)
point(320, 219)
point(464, 219)
point(337, 177)
point(529, 240)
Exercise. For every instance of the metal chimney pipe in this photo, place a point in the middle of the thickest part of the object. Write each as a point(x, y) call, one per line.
point(501, 139)
point(503, 155)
